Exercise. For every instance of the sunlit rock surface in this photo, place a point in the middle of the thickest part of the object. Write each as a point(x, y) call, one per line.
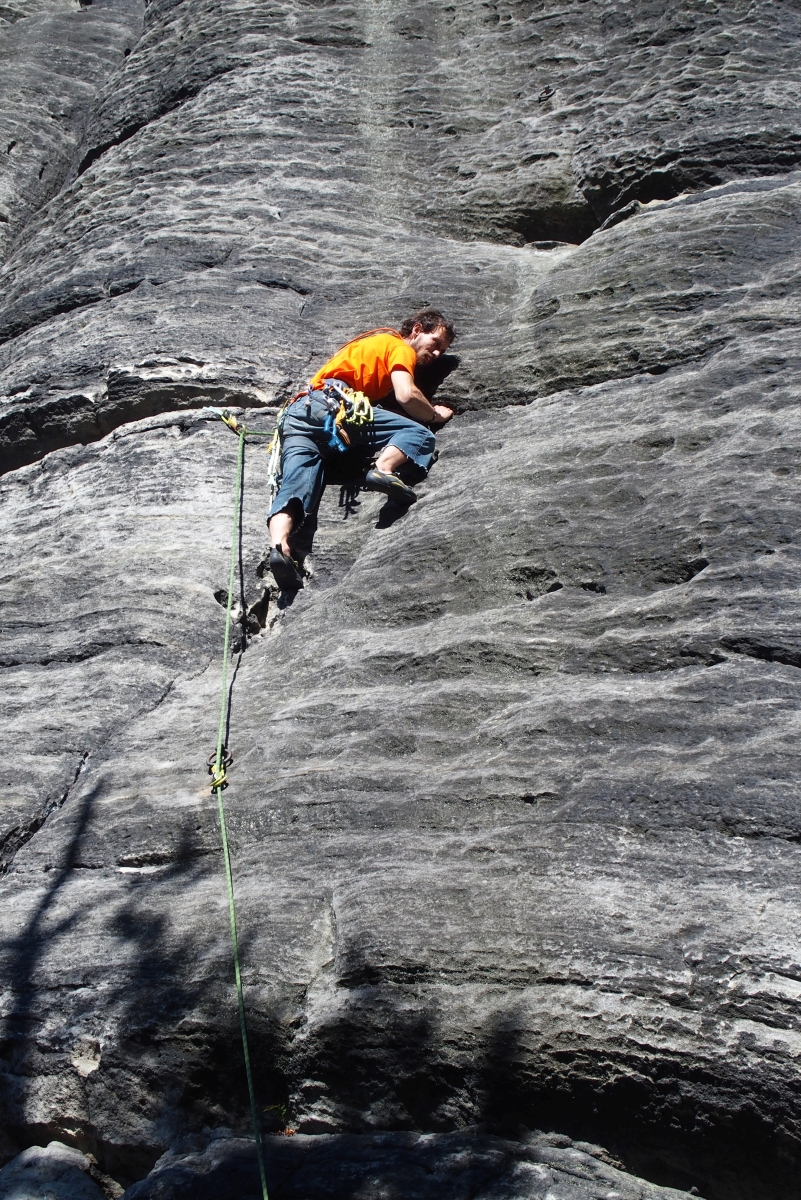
point(514, 801)
point(53, 1172)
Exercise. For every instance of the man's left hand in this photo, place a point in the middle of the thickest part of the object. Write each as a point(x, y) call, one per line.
point(443, 414)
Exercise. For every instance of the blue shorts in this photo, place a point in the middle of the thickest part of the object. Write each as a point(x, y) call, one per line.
point(306, 448)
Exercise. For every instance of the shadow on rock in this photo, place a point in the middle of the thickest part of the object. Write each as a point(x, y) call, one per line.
point(181, 1048)
point(468, 1165)
point(22, 958)
point(167, 1036)
point(386, 1063)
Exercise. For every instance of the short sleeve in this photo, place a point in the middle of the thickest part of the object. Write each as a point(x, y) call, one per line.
point(400, 356)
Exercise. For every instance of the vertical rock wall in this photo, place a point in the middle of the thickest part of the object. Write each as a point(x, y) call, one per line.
point(514, 804)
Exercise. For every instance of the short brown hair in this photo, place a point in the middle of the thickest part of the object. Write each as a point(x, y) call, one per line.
point(430, 319)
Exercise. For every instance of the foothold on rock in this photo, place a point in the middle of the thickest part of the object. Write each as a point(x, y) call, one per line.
point(52, 1172)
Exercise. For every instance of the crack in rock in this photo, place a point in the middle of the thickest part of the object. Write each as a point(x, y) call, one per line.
point(15, 839)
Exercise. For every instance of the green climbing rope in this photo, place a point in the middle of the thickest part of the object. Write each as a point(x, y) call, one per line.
point(219, 782)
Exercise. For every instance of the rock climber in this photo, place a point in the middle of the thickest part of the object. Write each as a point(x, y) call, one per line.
point(375, 364)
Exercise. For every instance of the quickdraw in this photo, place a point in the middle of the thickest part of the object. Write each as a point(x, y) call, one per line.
point(273, 446)
point(218, 776)
point(354, 408)
point(230, 420)
point(346, 407)
point(274, 452)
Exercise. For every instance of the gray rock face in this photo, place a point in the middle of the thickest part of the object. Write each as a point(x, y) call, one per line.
point(513, 808)
point(417, 1166)
point(53, 1172)
point(57, 54)
point(254, 187)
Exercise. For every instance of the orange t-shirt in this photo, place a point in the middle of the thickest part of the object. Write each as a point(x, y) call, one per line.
point(367, 364)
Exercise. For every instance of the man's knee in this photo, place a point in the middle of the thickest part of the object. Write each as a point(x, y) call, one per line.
point(419, 448)
point(293, 508)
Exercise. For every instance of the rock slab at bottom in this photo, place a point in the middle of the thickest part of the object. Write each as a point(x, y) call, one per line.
point(53, 1172)
point(396, 1166)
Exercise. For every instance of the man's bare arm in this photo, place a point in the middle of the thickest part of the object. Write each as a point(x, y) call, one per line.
point(414, 402)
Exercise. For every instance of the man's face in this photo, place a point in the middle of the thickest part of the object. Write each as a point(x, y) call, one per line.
point(428, 346)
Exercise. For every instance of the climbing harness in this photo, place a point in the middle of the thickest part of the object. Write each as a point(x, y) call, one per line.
point(218, 763)
point(345, 407)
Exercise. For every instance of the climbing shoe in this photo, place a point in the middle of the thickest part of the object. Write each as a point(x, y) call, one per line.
point(286, 571)
point(390, 485)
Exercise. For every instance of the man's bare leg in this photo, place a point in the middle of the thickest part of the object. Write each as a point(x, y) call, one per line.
point(286, 572)
point(390, 459)
point(384, 478)
point(281, 526)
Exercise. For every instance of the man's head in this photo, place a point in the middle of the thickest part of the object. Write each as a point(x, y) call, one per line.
point(428, 333)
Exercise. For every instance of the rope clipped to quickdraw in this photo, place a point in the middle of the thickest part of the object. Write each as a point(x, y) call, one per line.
point(222, 759)
point(273, 447)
